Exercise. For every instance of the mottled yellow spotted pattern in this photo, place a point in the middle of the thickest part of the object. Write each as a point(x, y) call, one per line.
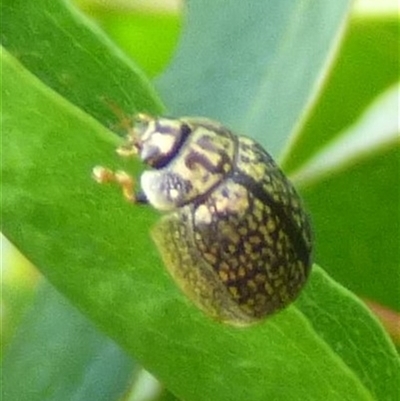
point(236, 238)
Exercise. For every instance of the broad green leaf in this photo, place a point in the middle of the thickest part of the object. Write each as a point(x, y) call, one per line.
point(96, 249)
point(71, 55)
point(57, 355)
point(255, 66)
point(351, 187)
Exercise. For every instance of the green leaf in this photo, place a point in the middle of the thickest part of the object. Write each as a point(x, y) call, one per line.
point(256, 66)
point(347, 166)
point(18, 284)
point(148, 37)
point(339, 318)
point(70, 54)
point(369, 54)
point(351, 189)
point(58, 355)
point(96, 249)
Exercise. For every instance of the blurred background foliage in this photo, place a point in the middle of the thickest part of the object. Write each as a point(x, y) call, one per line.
point(367, 65)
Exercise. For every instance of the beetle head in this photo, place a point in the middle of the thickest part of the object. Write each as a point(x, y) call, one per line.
point(156, 140)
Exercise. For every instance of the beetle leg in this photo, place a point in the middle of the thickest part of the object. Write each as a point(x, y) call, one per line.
point(104, 175)
point(127, 184)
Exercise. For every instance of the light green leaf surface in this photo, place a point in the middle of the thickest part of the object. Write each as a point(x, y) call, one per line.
point(256, 66)
point(96, 249)
point(57, 355)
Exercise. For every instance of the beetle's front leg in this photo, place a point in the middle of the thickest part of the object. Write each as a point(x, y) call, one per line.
point(124, 180)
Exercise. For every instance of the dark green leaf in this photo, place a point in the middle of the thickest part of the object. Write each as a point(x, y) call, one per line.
point(71, 55)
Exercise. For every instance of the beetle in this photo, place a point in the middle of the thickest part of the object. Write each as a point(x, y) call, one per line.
point(234, 236)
